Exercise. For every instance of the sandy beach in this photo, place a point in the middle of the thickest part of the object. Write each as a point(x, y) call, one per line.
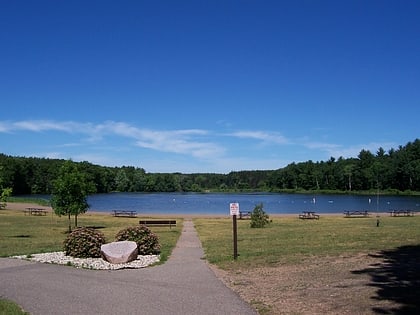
point(21, 206)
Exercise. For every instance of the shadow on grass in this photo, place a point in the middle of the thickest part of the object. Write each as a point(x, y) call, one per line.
point(96, 227)
point(397, 278)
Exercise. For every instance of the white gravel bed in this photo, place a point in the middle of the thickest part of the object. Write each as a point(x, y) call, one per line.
point(89, 263)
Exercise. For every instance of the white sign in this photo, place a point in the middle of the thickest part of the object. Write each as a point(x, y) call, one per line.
point(234, 208)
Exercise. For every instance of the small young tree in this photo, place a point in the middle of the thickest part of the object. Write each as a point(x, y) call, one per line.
point(259, 218)
point(70, 191)
point(5, 193)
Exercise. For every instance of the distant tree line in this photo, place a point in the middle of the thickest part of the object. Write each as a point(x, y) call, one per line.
point(397, 170)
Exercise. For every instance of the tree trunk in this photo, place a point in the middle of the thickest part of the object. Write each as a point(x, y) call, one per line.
point(350, 182)
point(69, 224)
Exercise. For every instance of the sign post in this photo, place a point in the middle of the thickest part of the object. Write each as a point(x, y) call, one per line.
point(234, 212)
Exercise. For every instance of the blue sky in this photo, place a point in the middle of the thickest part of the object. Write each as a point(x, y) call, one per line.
point(207, 86)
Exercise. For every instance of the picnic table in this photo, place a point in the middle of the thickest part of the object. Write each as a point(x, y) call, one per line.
point(356, 214)
point(151, 222)
point(35, 211)
point(309, 215)
point(401, 213)
point(244, 215)
point(125, 213)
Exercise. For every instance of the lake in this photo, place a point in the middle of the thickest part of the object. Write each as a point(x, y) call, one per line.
point(218, 203)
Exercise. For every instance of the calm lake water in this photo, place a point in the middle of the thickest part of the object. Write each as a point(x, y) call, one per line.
point(195, 203)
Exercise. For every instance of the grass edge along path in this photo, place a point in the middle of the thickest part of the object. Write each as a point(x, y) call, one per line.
point(8, 307)
point(279, 266)
point(288, 240)
point(22, 234)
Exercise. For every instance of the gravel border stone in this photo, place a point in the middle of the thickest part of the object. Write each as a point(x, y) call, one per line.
point(60, 258)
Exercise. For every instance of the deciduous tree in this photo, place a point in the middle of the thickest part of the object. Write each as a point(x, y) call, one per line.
point(70, 191)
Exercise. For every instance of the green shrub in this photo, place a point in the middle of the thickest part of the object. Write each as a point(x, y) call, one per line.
point(147, 241)
point(5, 194)
point(84, 243)
point(259, 218)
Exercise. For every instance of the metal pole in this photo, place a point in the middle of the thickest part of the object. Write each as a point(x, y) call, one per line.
point(235, 238)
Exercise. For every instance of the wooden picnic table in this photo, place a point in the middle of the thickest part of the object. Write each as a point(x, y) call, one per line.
point(401, 213)
point(125, 213)
point(244, 215)
point(309, 215)
point(152, 222)
point(35, 211)
point(356, 214)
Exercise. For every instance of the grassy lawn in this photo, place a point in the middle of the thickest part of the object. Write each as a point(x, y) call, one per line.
point(10, 308)
point(280, 265)
point(288, 240)
point(25, 234)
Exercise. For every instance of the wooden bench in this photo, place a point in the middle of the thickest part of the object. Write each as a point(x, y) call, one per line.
point(169, 223)
point(125, 213)
point(243, 215)
point(356, 214)
point(35, 211)
point(401, 213)
point(309, 215)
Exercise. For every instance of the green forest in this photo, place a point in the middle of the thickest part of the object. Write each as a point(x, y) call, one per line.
point(396, 171)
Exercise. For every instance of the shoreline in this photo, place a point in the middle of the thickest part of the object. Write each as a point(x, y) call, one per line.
point(20, 206)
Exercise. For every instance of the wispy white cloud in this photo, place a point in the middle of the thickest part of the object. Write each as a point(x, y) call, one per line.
point(337, 150)
point(4, 127)
point(185, 141)
point(322, 145)
point(119, 143)
point(42, 125)
point(192, 142)
point(69, 145)
point(101, 159)
point(248, 163)
point(182, 146)
point(269, 137)
point(51, 155)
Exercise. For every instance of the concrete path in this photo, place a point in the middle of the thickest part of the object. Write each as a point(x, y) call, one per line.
point(183, 285)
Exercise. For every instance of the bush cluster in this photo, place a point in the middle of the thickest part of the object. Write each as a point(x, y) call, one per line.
point(84, 243)
point(147, 241)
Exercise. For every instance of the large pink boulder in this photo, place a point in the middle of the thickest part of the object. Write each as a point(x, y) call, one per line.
point(119, 252)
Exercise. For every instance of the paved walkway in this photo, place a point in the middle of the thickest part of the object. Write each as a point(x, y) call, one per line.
point(183, 285)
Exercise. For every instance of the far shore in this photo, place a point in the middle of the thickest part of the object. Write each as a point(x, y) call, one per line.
point(21, 206)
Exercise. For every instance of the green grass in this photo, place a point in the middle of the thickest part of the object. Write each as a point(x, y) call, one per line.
point(285, 240)
point(9, 308)
point(289, 240)
point(24, 234)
